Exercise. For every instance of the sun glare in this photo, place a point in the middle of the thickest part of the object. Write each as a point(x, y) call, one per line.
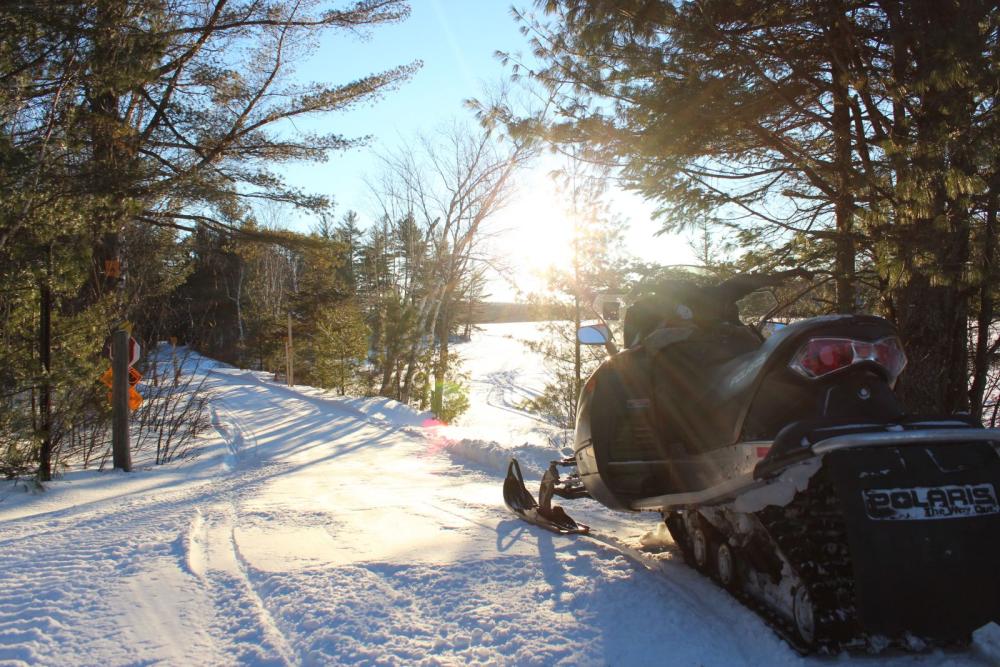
point(533, 233)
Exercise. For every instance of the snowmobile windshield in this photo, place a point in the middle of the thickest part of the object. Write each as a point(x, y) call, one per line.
point(682, 303)
point(678, 303)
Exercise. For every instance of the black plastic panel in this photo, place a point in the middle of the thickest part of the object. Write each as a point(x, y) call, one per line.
point(924, 539)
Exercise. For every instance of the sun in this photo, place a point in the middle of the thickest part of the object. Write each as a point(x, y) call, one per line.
point(533, 233)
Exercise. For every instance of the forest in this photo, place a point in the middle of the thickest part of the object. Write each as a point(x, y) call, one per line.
point(140, 187)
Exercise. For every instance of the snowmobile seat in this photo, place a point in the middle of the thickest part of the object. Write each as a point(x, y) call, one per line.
point(691, 376)
point(646, 433)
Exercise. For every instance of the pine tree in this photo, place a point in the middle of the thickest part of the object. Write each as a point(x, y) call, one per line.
point(338, 346)
point(120, 115)
point(861, 128)
point(350, 235)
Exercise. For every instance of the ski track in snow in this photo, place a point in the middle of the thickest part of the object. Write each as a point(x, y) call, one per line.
point(317, 530)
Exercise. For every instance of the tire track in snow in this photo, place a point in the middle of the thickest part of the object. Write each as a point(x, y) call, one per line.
point(233, 432)
point(74, 581)
point(319, 401)
point(62, 587)
point(215, 557)
point(212, 555)
point(499, 384)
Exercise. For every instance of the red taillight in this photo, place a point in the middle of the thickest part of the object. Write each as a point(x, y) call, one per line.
point(822, 356)
point(889, 354)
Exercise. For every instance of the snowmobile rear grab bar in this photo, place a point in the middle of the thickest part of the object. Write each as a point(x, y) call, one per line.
point(850, 441)
point(893, 438)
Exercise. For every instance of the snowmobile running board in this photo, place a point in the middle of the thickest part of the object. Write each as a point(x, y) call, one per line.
point(766, 470)
point(542, 512)
point(716, 494)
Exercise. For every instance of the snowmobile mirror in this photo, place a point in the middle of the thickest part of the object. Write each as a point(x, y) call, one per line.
point(593, 334)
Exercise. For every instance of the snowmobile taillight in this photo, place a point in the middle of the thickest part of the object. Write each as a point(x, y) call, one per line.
point(822, 356)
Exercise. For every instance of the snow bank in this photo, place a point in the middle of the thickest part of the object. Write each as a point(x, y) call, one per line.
point(375, 409)
point(493, 457)
point(386, 410)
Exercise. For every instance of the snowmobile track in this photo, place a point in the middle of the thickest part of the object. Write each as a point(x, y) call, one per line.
point(821, 557)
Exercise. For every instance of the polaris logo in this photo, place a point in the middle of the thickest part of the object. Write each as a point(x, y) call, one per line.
point(931, 502)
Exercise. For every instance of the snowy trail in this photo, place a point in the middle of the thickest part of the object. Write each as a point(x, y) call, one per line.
point(323, 531)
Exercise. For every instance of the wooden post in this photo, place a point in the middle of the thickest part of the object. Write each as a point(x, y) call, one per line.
point(290, 354)
point(120, 448)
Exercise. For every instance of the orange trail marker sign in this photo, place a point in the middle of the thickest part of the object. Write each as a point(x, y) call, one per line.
point(108, 377)
point(134, 399)
point(113, 268)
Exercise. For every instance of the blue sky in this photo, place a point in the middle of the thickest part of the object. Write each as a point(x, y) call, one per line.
point(456, 40)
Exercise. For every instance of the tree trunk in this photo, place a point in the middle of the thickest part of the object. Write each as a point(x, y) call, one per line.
point(577, 360)
point(468, 320)
point(289, 355)
point(932, 322)
point(239, 305)
point(387, 378)
point(933, 301)
point(427, 316)
point(111, 155)
point(381, 343)
point(45, 390)
point(441, 368)
point(843, 200)
point(981, 360)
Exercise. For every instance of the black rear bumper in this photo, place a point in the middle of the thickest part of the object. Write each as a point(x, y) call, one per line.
point(923, 527)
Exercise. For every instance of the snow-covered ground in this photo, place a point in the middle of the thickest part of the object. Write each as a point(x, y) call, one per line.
point(324, 531)
point(503, 374)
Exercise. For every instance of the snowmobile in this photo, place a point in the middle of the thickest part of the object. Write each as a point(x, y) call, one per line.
point(786, 469)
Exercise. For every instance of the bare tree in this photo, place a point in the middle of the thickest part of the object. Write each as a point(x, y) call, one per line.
point(447, 186)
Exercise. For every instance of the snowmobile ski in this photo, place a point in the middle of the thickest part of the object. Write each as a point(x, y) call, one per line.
point(541, 512)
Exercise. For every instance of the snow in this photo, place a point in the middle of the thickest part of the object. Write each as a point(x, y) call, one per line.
point(316, 530)
point(782, 490)
point(504, 373)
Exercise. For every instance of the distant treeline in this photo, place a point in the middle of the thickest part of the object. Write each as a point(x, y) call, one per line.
point(500, 311)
